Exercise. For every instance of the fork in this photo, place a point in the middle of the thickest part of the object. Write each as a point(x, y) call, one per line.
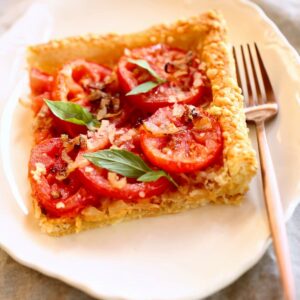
point(259, 108)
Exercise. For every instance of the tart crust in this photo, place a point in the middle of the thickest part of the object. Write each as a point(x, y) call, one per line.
point(206, 34)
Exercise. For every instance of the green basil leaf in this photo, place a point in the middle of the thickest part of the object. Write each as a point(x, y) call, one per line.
point(73, 113)
point(146, 86)
point(126, 163)
point(145, 65)
point(121, 162)
point(155, 175)
point(143, 88)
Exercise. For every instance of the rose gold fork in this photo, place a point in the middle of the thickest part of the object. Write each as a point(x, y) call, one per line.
point(258, 109)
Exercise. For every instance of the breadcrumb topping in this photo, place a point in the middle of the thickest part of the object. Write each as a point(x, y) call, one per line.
point(40, 170)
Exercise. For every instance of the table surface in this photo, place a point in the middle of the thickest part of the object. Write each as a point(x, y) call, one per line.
point(260, 282)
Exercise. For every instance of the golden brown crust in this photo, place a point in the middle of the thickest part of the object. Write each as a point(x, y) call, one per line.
point(119, 211)
point(107, 49)
point(206, 34)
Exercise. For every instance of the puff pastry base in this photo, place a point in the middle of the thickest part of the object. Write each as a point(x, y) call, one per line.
point(206, 34)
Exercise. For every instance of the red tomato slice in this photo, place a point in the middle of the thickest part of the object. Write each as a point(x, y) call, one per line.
point(57, 198)
point(71, 129)
point(98, 181)
point(40, 82)
point(185, 80)
point(98, 140)
point(44, 127)
point(76, 82)
point(41, 85)
point(127, 138)
point(77, 79)
point(129, 116)
point(38, 101)
point(181, 138)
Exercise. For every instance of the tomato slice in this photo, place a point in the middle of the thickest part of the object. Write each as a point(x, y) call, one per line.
point(57, 198)
point(41, 85)
point(103, 183)
point(181, 138)
point(182, 71)
point(40, 82)
point(37, 101)
point(77, 80)
point(130, 116)
point(128, 138)
point(71, 129)
point(80, 81)
point(96, 180)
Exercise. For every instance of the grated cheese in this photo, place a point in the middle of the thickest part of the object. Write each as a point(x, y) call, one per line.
point(111, 133)
point(40, 170)
point(172, 99)
point(142, 194)
point(60, 205)
point(115, 181)
point(88, 169)
point(178, 110)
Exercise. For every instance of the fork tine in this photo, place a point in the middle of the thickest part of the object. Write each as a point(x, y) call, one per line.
point(257, 87)
point(266, 80)
point(249, 89)
point(237, 71)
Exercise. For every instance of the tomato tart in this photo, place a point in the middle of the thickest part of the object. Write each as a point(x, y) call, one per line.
point(137, 125)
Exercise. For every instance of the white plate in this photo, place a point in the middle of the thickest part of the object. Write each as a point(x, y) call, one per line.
point(184, 256)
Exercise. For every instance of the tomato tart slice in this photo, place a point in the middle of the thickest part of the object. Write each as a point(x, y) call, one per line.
point(138, 125)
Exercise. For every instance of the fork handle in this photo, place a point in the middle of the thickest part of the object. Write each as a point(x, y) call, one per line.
point(275, 213)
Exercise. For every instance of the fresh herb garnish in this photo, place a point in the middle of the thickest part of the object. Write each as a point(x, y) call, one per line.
point(145, 65)
point(143, 88)
point(148, 85)
point(155, 175)
point(73, 113)
point(127, 164)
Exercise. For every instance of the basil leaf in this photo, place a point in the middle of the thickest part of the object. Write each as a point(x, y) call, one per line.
point(146, 86)
point(155, 175)
point(121, 162)
point(127, 164)
point(145, 65)
point(73, 113)
point(143, 88)
point(151, 176)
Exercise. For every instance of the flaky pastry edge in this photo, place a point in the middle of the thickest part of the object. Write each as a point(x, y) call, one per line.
point(207, 35)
